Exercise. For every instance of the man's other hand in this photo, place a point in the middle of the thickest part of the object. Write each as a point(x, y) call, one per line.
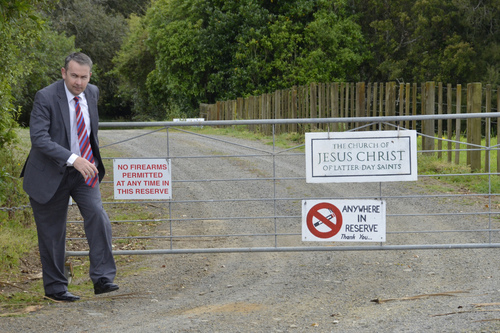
point(87, 169)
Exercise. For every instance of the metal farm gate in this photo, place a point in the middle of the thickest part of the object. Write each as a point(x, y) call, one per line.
point(236, 195)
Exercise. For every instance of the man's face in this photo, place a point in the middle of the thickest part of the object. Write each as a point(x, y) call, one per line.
point(76, 77)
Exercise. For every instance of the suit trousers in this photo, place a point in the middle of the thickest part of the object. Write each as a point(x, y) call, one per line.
point(51, 219)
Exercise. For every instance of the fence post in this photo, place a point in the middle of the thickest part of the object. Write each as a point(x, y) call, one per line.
point(498, 129)
point(400, 100)
point(277, 110)
point(407, 105)
point(328, 100)
point(374, 102)
point(288, 99)
point(440, 121)
point(261, 112)
point(474, 101)
point(449, 99)
point(346, 104)
point(487, 132)
point(390, 99)
point(352, 103)
point(369, 98)
point(341, 105)
point(239, 108)
point(218, 110)
point(414, 106)
point(225, 108)
point(305, 107)
point(251, 111)
point(294, 108)
point(458, 126)
point(335, 105)
point(204, 111)
point(321, 102)
point(360, 101)
point(269, 103)
point(381, 102)
point(314, 103)
point(428, 125)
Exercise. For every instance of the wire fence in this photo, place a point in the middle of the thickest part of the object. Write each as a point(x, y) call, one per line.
point(235, 195)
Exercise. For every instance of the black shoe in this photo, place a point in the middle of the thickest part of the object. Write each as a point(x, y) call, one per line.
point(103, 285)
point(64, 296)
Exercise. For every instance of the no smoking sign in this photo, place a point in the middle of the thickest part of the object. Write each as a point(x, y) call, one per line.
point(324, 220)
point(343, 220)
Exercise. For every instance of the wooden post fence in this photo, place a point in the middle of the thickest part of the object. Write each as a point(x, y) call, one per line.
point(344, 99)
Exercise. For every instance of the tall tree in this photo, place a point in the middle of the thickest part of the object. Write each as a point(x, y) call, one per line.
point(20, 27)
point(132, 66)
point(98, 30)
point(441, 40)
point(209, 50)
point(47, 56)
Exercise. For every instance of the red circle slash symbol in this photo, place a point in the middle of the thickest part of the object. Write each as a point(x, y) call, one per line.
point(324, 213)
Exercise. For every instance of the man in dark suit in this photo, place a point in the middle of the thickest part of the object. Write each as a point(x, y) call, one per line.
point(56, 170)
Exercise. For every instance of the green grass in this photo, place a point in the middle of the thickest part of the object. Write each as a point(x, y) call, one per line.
point(460, 175)
point(15, 240)
point(282, 140)
point(17, 229)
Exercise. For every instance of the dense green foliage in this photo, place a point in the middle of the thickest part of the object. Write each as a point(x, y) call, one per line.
point(18, 30)
point(432, 40)
point(36, 36)
point(31, 54)
point(156, 59)
point(202, 51)
point(186, 52)
point(98, 30)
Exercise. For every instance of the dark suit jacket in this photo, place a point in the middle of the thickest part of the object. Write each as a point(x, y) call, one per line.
point(50, 140)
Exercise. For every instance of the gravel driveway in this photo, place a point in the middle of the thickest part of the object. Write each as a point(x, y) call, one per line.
point(309, 291)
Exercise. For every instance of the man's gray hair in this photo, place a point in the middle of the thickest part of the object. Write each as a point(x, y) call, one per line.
point(80, 58)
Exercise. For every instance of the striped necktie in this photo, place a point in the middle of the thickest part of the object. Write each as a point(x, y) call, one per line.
point(83, 140)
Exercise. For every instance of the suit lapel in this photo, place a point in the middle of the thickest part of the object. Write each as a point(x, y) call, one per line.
point(64, 108)
point(93, 114)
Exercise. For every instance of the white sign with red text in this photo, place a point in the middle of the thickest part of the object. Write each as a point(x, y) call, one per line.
point(142, 178)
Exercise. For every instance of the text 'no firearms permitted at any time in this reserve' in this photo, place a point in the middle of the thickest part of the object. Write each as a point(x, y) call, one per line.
point(142, 179)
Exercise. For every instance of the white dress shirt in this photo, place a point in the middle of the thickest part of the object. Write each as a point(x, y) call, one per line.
point(75, 145)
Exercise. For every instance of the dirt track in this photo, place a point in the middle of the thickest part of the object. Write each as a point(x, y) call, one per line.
point(425, 290)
